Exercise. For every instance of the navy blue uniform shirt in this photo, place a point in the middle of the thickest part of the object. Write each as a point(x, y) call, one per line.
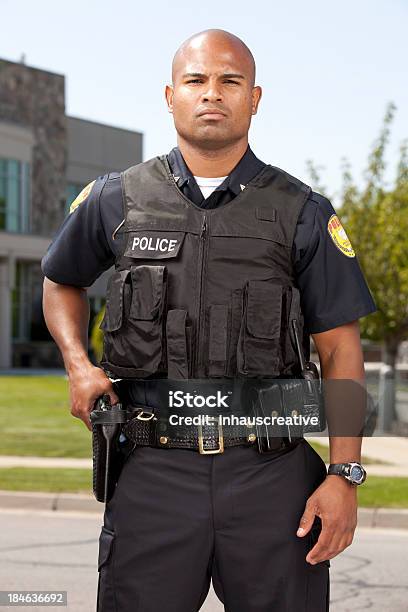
point(332, 287)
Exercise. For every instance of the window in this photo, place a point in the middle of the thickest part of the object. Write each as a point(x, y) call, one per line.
point(14, 195)
point(27, 316)
point(72, 190)
point(28, 324)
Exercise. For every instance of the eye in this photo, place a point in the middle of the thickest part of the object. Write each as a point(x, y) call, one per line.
point(195, 81)
point(231, 81)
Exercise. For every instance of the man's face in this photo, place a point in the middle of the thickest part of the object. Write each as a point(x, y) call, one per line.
point(213, 97)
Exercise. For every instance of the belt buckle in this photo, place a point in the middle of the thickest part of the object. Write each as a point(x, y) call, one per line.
point(145, 415)
point(211, 451)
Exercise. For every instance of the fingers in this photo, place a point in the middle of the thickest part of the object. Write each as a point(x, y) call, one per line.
point(83, 413)
point(333, 539)
point(85, 390)
point(307, 519)
point(114, 399)
point(86, 419)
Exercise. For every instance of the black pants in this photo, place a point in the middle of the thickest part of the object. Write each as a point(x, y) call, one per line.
point(178, 519)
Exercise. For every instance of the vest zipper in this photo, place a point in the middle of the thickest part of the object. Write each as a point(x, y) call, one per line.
point(201, 261)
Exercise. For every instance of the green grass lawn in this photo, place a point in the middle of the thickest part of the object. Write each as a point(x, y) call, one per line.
point(36, 420)
point(381, 492)
point(57, 480)
point(377, 492)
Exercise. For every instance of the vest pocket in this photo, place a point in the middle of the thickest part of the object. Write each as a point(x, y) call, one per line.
point(133, 322)
point(177, 344)
point(218, 339)
point(258, 350)
point(112, 319)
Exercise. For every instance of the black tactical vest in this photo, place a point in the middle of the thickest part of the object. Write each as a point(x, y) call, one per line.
point(204, 293)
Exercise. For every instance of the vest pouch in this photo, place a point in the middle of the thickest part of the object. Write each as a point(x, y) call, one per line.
point(133, 322)
point(112, 319)
point(219, 315)
point(178, 349)
point(258, 349)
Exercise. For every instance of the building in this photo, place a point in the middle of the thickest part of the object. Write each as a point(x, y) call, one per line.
point(46, 158)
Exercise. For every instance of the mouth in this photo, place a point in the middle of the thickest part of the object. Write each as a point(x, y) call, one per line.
point(212, 114)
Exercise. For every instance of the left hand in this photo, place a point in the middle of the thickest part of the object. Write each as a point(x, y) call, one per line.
point(335, 502)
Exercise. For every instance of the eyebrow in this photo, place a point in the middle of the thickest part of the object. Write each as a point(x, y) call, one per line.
point(227, 75)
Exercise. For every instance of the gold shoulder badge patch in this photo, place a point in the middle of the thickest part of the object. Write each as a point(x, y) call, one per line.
point(339, 236)
point(81, 197)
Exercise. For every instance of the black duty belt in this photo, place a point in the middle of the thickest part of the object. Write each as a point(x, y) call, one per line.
point(143, 425)
point(145, 428)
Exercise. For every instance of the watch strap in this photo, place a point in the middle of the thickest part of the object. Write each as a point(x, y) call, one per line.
point(337, 469)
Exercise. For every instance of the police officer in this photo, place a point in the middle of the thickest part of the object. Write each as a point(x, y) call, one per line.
point(263, 526)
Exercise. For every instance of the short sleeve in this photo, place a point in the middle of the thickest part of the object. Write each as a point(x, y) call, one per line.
point(80, 251)
point(332, 286)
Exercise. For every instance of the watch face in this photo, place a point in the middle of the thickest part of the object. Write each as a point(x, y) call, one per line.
point(356, 473)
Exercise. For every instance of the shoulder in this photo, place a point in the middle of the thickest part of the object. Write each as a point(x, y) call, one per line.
point(311, 226)
point(88, 195)
point(102, 186)
point(100, 200)
point(320, 219)
point(316, 208)
point(145, 166)
point(153, 170)
point(111, 189)
point(319, 203)
point(285, 181)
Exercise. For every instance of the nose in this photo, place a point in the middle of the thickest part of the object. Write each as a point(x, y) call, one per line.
point(212, 93)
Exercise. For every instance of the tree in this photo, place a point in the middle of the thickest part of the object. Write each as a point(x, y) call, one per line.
point(376, 219)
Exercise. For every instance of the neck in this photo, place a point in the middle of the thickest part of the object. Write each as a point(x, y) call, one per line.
point(212, 163)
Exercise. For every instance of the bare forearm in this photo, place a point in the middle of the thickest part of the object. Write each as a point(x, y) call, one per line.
point(346, 363)
point(66, 312)
point(342, 366)
point(335, 500)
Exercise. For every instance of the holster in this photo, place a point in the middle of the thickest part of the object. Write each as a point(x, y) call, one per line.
point(108, 455)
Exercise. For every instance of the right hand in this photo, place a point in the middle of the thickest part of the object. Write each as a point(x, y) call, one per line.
point(86, 385)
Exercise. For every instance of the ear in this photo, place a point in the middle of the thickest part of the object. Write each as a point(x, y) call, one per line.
point(256, 97)
point(169, 93)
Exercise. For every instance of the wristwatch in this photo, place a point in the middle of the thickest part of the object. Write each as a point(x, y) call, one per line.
point(353, 472)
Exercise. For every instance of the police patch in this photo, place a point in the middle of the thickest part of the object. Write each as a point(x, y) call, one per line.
point(81, 197)
point(339, 236)
point(154, 244)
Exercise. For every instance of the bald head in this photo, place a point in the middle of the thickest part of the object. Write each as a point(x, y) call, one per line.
point(213, 96)
point(214, 41)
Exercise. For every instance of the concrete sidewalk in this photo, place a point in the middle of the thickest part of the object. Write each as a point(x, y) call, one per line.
point(7, 461)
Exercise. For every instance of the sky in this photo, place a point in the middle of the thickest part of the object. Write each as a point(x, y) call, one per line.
point(328, 70)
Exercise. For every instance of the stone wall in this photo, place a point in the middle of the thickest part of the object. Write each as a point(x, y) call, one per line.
point(35, 99)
